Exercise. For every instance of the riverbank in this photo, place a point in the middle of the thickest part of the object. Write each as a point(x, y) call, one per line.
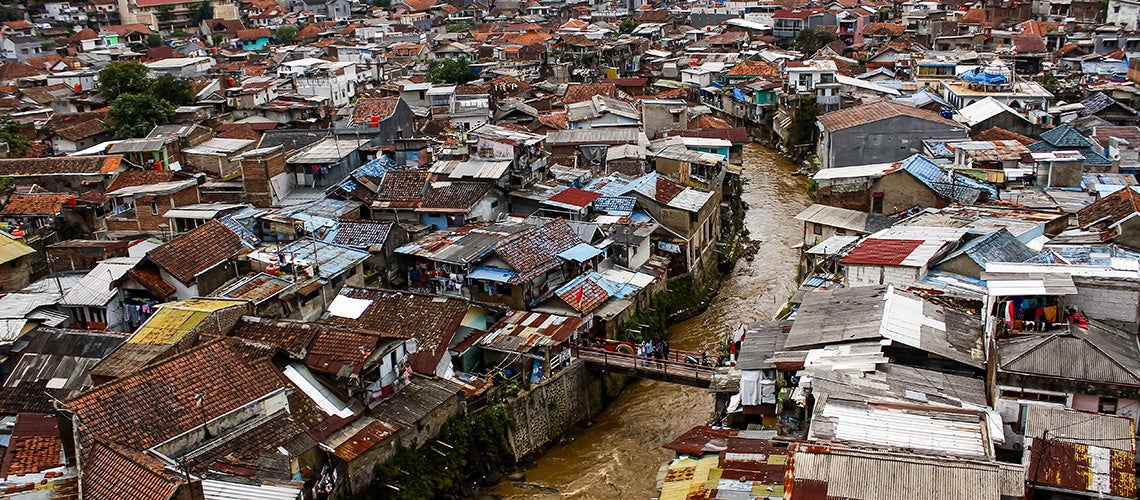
point(619, 453)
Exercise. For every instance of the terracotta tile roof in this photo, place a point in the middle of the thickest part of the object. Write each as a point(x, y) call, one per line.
point(132, 178)
point(241, 131)
point(593, 295)
point(193, 252)
point(1112, 208)
point(707, 122)
point(455, 196)
point(310, 31)
point(868, 113)
point(1028, 42)
point(361, 233)
point(57, 165)
point(890, 252)
point(124, 29)
point(430, 319)
point(891, 29)
point(83, 130)
point(83, 34)
point(556, 120)
point(417, 5)
point(1001, 134)
point(151, 279)
point(36, 204)
point(364, 439)
point(175, 395)
point(575, 197)
point(29, 397)
point(754, 68)
point(254, 34)
point(113, 471)
point(382, 107)
point(20, 24)
point(12, 70)
point(974, 16)
point(292, 337)
point(581, 92)
point(340, 351)
point(243, 455)
point(536, 251)
point(35, 445)
point(402, 189)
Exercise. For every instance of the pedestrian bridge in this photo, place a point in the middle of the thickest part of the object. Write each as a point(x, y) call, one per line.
point(677, 369)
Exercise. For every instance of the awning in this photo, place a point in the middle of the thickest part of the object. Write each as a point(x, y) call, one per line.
point(1023, 284)
point(581, 252)
point(495, 274)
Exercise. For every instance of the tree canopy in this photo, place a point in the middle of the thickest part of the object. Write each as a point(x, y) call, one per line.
point(12, 132)
point(134, 115)
point(125, 77)
point(449, 70)
point(285, 35)
point(808, 40)
point(177, 91)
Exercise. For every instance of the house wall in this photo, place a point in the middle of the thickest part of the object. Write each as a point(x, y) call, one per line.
point(16, 274)
point(265, 178)
point(1129, 233)
point(875, 275)
point(882, 141)
point(552, 409)
point(1114, 301)
point(962, 265)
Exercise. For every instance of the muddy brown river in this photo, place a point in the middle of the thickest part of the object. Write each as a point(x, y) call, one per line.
point(619, 455)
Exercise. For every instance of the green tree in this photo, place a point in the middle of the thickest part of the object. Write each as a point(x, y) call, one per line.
point(1048, 80)
point(153, 40)
point(801, 132)
point(449, 71)
point(808, 41)
point(12, 133)
point(10, 14)
point(176, 91)
point(217, 39)
point(383, 4)
point(285, 35)
point(627, 25)
point(134, 115)
point(165, 13)
point(124, 77)
point(201, 11)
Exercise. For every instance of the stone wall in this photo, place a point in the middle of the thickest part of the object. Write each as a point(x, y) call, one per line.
point(554, 409)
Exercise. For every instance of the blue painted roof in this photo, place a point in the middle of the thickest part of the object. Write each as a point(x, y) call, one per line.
point(938, 148)
point(489, 273)
point(997, 246)
point(1065, 136)
point(962, 188)
point(581, 252)
point(615, 205)
point(613, 288)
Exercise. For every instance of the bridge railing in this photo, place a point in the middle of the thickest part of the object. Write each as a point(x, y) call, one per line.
point(675, 367)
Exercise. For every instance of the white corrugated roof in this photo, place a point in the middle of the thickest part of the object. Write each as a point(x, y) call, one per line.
point(221, 490)
point(853, 172)
point(95, 288)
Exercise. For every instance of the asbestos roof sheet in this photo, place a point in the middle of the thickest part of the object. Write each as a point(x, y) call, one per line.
point(833, 245)
point(329, 150)
point(581, 252)
point(835, 217)
point(471, 169)
point(1099, 355)
point(223, 490)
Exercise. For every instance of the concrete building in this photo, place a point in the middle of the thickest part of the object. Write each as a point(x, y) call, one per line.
point(879, 132)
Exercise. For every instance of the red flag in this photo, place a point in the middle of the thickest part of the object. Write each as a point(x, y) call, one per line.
point(578, 296)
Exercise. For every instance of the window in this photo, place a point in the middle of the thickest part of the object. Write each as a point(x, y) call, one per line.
point(676, 117)
point(840, 231)
point(1027, 395)
point(817, 228)
point(877, 203)
point(1108, 406)
point(154, 208)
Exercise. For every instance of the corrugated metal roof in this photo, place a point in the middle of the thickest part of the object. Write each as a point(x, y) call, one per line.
point(220, 490)
point(581, 252)
point(12, 249)
point(1101, 354)
point(1027, 284)
point(96, 288)
point(1071, 426)
point(835, 217)
point(926, 429)
point(174, 320)
point(898, 476)
point(1095, 469)
point(522, 331)
point(492, 274)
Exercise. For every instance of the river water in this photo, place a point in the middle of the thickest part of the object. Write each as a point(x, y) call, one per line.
point(619, 455)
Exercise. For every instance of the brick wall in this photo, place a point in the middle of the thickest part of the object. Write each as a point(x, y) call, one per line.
point(257, 172)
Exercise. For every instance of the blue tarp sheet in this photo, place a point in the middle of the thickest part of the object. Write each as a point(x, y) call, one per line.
point(978, 76)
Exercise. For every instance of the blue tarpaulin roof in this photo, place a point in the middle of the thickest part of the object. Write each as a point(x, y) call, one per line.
point(977, 76)
point(581, 252)
point(492, 274)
